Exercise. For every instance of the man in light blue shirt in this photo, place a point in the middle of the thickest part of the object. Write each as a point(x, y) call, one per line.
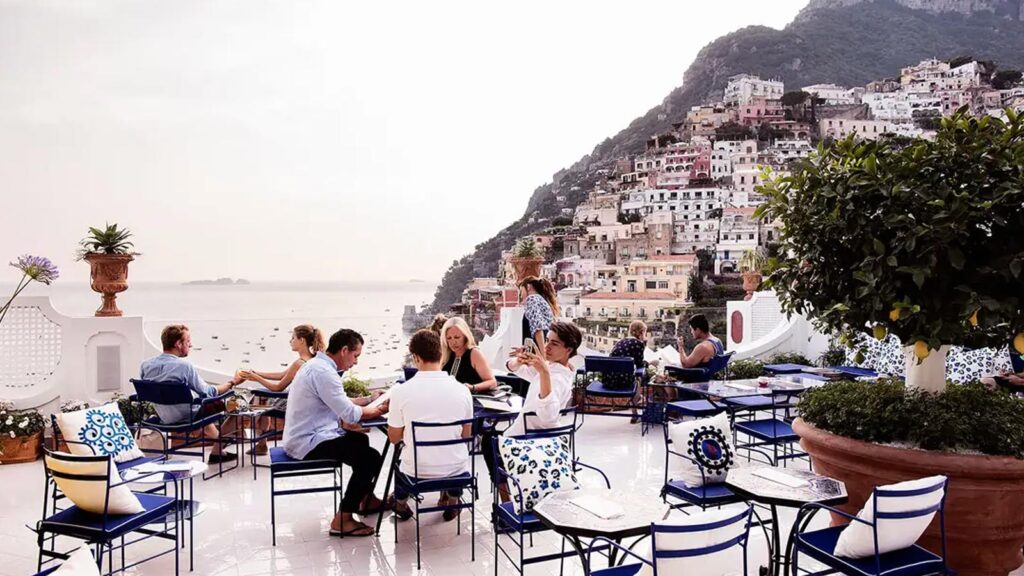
point(316, 401)
point(171, 366)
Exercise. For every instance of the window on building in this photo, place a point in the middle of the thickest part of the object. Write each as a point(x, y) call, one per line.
point(625, 311)
point(651, 285)
point(663, 284)
point(631, 285)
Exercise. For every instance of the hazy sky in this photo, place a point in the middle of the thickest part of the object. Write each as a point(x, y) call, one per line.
point(317, 140)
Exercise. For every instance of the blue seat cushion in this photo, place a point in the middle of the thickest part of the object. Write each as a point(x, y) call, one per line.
point(856, 371)
point(627, 570)
point(912, 561)
point(427, 485)
point(771, 429)
point(280, 461)
point(597, 388)
point(528, 522)
point(707, 495)
point(750, 402)
point(87, 525)
point(694, 408)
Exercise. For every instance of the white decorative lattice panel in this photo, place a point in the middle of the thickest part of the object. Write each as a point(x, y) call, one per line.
point(30, 351)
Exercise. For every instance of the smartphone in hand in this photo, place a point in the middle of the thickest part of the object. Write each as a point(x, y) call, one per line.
point(530, 346)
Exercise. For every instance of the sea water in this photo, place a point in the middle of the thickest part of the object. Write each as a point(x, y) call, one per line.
point(248, 326)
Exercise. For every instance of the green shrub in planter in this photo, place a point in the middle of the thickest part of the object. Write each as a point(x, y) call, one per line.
point(744, 369)
point(966, 417)
point(356, 388)
point(789, 358)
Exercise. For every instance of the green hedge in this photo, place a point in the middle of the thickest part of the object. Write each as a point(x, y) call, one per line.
point(966, 417)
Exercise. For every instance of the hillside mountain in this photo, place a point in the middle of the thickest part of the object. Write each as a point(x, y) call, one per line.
point(848, 42)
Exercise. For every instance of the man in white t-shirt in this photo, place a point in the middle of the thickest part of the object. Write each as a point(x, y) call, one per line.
point(431, 396)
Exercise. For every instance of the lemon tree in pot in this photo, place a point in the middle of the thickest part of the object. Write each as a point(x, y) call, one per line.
point(108, 251)
point(752, 264)
point(924, 241)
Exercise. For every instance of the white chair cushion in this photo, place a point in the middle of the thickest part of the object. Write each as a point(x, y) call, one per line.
point(89, 495)
point(857, 540)
point(542, 466)
point(80, 563)
point(721, 562)
point(709, 442)
point(103, 428)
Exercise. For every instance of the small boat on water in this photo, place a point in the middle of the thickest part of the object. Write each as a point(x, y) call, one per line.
point(214, 337)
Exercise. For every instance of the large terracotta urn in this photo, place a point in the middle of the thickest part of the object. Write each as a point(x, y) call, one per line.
point(109, 277)
point(751, 281)
point(984, 499)
point(525, 267)
point(21, 448)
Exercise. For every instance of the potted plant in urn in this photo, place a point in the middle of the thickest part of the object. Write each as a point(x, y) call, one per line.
point(108, 253)
point(751, 264)
point(924, 242)
point(527, 258)
point(21, 434)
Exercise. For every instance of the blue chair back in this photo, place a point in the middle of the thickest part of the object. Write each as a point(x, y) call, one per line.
point(409, 372)
point(879, 497)
point(169, 393)
point(610, 365)
point(718, 363)
point(97, 478)
point(419, 445)
point(1016, 360)
point(664, 549)
point(517, 384)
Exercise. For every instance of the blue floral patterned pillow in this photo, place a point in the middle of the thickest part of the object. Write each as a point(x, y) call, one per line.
point(541, 466)
point(101, 430)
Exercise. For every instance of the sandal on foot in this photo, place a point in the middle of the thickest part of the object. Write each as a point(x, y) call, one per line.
point(358, 532)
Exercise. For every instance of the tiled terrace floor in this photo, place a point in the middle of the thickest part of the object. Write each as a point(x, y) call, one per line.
point(233, 534)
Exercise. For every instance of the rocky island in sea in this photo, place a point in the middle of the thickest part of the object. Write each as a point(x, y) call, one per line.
point(218, 282)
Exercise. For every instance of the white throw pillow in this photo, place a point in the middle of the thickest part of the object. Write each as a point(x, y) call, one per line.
point(857, 540)
point(89, 495)
point(708, 441)
point(722, 562)
point(541, 466)
point(80, 563)
point(103, 428)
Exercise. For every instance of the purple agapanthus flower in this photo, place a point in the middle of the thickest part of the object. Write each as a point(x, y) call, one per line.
point(37, 268)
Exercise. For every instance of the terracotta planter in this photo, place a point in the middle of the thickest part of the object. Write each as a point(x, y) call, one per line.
point(109, 276)
point(21, 448)
point(526, 267)
point(984, 523)
point(751, 280)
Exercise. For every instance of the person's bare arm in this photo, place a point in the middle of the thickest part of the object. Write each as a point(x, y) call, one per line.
point(395, 435)
point(700, 355)
point(489, 382)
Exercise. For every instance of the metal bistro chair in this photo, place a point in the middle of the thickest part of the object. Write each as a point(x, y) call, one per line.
point(612, 368)
point(702, 496)
point(284, 466)
point(103, 531)
point(683, 560)
point(702, 374)
point(172, 393)
point(913, 560)
point(417, 486)
point(515, 525)
point(774, 431)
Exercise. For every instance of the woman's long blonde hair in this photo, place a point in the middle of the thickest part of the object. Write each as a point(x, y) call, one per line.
point(459, 323)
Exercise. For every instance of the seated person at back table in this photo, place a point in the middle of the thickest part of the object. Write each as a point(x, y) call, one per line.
point(708, 346)
point(306, 341)
point(461, 358)
point(316, 401)
point(171, 366)
point(431, 396)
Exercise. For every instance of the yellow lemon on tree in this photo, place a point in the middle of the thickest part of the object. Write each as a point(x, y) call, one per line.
point(921, 349)
point(974, 318)
point(894, 314)
point(879, 331)
point(1018, 343)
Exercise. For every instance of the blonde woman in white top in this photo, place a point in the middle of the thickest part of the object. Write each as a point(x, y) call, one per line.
point(551, 381)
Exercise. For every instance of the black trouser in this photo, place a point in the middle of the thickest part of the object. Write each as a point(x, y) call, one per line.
point(487, 436)
point(353, 449)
